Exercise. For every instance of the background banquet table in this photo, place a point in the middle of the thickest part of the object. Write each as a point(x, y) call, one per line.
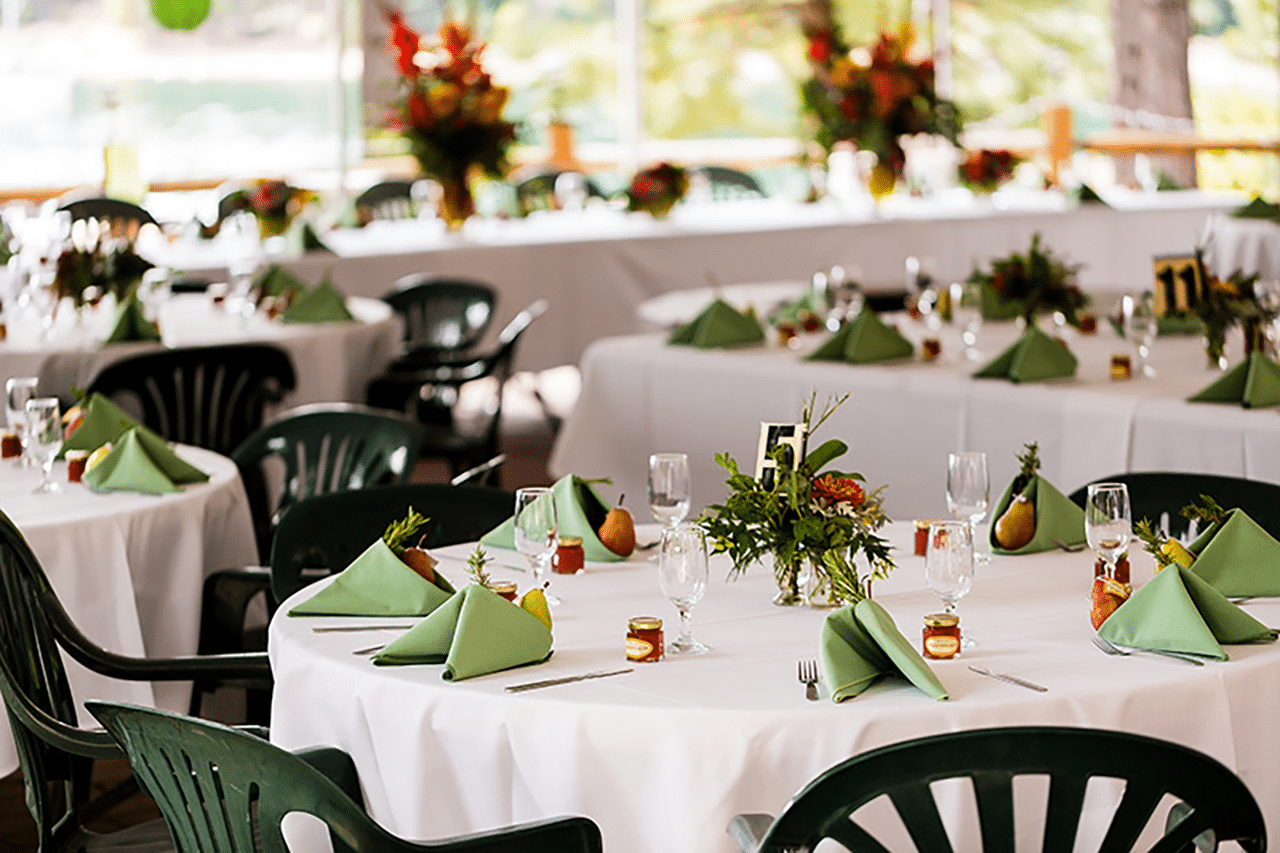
point(1242, 245)
point(128, 567)
point(333, 361)
point(662, 757)
point(597, 266)
point(640, 396)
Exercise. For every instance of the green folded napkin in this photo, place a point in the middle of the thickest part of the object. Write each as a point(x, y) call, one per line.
point(1238, 557)
point(475, 632)
point(131, 324)
point(1253, 383)
point(860, 643)
point(579, 511)
point(1178, 612)
point(1085, 194)
point(128, 468)
point(1173, 325)
point(1257, 209)
point(863, 340)
point(719, 325)
point(275, 280)
point(311, 241)
point(321, 304)
point(105, 421)
point(811, 302)
point(1033, 357)
point(996, 307)
point(377, 583)
point(1058, 519)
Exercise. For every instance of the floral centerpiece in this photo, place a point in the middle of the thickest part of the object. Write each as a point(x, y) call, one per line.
point(824, 518)
point(984, 170)
point(274, 203)
point(874, 97)
point(86, 274)
point(1231, 302)
point(656, 189)
point(1030, 283)
point(450, 112)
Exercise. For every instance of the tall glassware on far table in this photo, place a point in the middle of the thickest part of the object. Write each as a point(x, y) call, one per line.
point(537, 532)
point(1140, 328)
point(969, 495)
point(17, 391)
point(966, 311)
point(682, 574)
point(948, 566)
point(1108, 522)
point(669, 488)
point(44, 428)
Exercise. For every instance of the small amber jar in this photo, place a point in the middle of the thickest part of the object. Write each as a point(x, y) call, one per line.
point(941, 636)
point(1120, 366)
point(506, 589)
point(76, 460)
point(1087, 323)
point(786, 331)
point(930, 349)
point(10, 445)
point(569, 558)
point(644, 639)
point(922, 535)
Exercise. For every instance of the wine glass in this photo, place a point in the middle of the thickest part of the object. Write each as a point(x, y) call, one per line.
point(1140, 328)
point(966, 312)
point(669, 488)
point(537, 532)
point(44, 430)
point(682, 574)
point(17, 391)
point(1107, 522)
point(969, 494)
point(948, 566)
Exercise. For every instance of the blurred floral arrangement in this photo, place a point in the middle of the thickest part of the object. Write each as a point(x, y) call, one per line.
point(871, 97)
point(273, 202)
point(825, 517)
point(656, 189)
point(1030, 283)
point(85, 274)
point(1231, 302)
point(985, 170)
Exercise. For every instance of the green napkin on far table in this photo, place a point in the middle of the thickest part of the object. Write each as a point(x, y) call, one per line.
point(1033, 357)
point(275, 280)
point(864, 340)
point(860, 644)
point(311, 241)
point(1258, 209)
point(1058, 519)
point(140, 461)
point(105, 421)
point(1237, 557)
point(320, 304)
point(810, 302)
point(719, 325)
point(1253, 383)
point(131, 324)
point(580, 512)
point(475, 632)
point(1178, 612)
point(1176, 325)
point(1085, 194)
point(377, 583)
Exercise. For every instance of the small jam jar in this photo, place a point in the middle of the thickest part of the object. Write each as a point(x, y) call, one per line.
point(922, 535)
point(941, 636)
point(76, 460)
point(644, 639)
point(569, 558)
point(506, 589)
point(930, 349)
point(1120, 366)
point(10, 445)
point(1087, 323)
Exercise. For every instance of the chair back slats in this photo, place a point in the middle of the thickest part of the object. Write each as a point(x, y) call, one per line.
point(1062, 812)
point(919, 814)
point(1132, 815)
point(994, 793)
point(442, 315)
point(853, 837)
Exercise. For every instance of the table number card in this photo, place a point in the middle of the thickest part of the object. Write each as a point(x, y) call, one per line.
point(1179, 283)
point(792, 437)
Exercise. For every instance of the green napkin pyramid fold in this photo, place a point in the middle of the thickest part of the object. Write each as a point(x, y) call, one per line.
point(1253, 383)
point(311, 241)
point(1031, 358)
point(580, 512)
point(105, 421)
point(811, 301)
point(275, 280)
point(1257, 209)
point(1176, 325)
point(320, 304)
point(1058, 519)
point(1237, 557)
point(377, 583)
point(1085, 194)
point(1178, 612)
point(864, 340)
point(128, 468)
point(859, 644)
point(719, 325)
point(475, 632)
point(131, 324)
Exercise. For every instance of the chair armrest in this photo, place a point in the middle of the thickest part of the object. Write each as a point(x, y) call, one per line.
point(338, 767)
point(747, 830)
point(96, 744)
point(555, 835)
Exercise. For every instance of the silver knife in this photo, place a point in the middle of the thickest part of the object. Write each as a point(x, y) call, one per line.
point(551, 682)
point(1010, 679)
point(325, 629)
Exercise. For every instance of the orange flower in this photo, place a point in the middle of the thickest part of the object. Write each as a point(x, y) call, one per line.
point(404, 44)
point(884, 91)
point(455, 37)
point(838, 490)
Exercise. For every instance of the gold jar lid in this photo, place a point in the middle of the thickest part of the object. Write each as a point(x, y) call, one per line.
point(502, 586)
point(942, 620)
point(644, 623)
point(570, 541)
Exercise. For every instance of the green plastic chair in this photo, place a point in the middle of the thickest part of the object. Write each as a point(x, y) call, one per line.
point(538, 192)
point(1154, 493)
point(1213, 799)
point(325, 533)
point(391, 199)
point(728, 184)
point(245, 787)
point(122, 217)
point(441, 315)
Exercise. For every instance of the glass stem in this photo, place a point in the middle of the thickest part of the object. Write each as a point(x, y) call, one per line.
point(686, 626)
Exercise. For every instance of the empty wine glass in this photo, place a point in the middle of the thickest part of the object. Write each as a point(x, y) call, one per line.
point(18, 391)
point(969, 494)
point(537, 531)
point(669, 488)
point(682, 574)
point(44, 429)
point(966, 313)
point(1107, 522)
point(1140, 328)
point(948, 566)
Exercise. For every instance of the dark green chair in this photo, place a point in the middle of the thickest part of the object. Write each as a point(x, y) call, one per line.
point(1212, 798)
point(1154, 493)
point(441, 316)
point(123, 218)
point(728, 184)
point(325, 533)
point(390, 199)
point(538, 191)
point(55, 754)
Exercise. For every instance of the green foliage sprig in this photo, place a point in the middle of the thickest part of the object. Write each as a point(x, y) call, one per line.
point(1030, 283)
point(1207, 510)
point(476, 566)
point(1151, 542)
point(398, 532)
point(1228, 303)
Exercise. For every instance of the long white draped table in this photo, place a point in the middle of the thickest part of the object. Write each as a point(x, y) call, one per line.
point(597, 266)
point(129, 567)
point(662, 757)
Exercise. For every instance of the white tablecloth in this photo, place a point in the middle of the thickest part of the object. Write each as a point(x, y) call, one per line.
point(662, 757)
point(333, 362)
point(596, 267)
point(1242, 245)
point(128, 567)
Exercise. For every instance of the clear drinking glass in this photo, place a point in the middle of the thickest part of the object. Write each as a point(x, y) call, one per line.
point(1140, 328)
point(1107, 522)
point(682, 574)
point(969, 494)
point(537, 532)
point(966, 313)
point(44, 428)
point(669, 488)
point(17, 391)
point(948, 566)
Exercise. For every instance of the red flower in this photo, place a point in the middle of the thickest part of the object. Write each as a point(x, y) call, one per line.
point(269, 196)
point(850, 108)
point(647, 186)
point(820, 47)
point(419, 109)
point(404, 44)
point(455, 37)
point(838, 490)
point(884, 91)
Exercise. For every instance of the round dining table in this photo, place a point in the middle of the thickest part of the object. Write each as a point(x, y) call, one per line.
point(663, 756)
point(129, 567)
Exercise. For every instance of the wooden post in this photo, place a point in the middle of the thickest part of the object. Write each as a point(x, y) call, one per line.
point(1058, 141)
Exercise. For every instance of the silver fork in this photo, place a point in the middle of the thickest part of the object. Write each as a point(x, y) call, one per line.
point(808, 671)
point(1112, 649)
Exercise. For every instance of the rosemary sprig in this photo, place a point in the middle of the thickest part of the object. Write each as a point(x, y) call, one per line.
point(1209, 511)
point(398, 532)
point(1152, 543)
point(475, 566)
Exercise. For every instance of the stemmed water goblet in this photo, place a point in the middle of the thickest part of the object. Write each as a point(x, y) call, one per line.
point(44, 430)
point(966, 311)
point(537, 532)
point(948, 566)
point(969, 495)
point(1140, 328)
point(1108, 522)
point(669, 488)
point(682, 574)
point(18, 391)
